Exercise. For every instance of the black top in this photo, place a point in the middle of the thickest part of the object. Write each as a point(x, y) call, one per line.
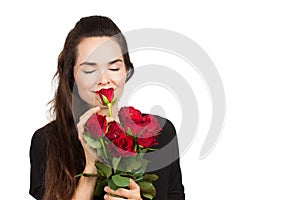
point(168, 186)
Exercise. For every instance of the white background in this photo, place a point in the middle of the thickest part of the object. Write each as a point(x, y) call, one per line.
point(255, 46)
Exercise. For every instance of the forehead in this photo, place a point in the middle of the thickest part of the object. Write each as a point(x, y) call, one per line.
point(98, 49)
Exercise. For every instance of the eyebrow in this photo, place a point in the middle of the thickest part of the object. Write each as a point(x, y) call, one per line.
point(88, 63)
point(94, 64)
point(114, 61)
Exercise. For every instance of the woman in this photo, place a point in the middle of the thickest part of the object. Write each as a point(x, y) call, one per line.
point(94, 56)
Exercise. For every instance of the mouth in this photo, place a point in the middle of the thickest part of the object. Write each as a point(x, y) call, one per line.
point(98, 90)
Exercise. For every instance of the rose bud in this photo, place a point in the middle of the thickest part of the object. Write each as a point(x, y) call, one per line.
point(106, 96)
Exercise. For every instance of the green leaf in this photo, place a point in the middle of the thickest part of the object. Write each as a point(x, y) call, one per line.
point(99, 153)
point(103, 169)
point(115, 163)
point(112, 185)
point(143, 150)
point(151, 149)
point(147, 188)
point(94, 143)
point(99, 189)
point(150, 177)
point(138, 177)
point(148, 196)
point(143, 167)
point(129, 132)
point(105, 100)
point(121, 165)
point(113, 101)
point(140, 156)
point(120, 181)
point(132, 163)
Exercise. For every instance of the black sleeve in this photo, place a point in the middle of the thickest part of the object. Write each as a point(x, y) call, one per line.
point(169, 184)
point(38, 164)
point(175, 187)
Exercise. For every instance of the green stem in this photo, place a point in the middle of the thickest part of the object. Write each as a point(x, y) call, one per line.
point(109, 109)
point(104, 148)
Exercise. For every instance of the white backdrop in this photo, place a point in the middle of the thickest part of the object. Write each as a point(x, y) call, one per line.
point(255, 46)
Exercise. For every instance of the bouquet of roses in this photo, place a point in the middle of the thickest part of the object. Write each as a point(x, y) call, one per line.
point(121, 146)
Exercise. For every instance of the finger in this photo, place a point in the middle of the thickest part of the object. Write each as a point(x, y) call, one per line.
point(84, 118)
point(128, 194)
point(110, 119)
point(133, 185)
point(120, 192)
point(108, 197)
point(80, 131)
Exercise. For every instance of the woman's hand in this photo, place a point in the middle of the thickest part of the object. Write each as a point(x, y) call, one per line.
point(90, 154)
point(132, 194)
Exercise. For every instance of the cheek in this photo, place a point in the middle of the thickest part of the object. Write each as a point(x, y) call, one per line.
point(119, 79)
point(120, 88)
point(84, 83)
point(121, 83)
point(84, 87)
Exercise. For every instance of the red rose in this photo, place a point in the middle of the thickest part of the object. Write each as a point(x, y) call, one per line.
point(96, 125)
point(147, 139)
point(114, 130)
point(122, 146)
point(152, 125)
point(130, 117)
point(106, 95)
point(129, 113)
point(133, 119)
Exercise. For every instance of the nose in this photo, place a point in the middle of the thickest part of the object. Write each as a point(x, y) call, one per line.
point(103, 78)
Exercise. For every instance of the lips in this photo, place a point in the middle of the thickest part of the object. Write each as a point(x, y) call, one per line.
point(106, 95)
point(97, 91)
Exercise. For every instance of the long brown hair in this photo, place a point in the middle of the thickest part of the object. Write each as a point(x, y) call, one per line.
point(64, 152)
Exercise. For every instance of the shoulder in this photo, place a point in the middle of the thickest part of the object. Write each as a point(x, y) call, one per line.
point(168, 130)
point(41, 132)
point(165, 124)
point(39, 139)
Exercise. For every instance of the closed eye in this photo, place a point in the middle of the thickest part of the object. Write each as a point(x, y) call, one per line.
point(114, 70)
point(89, 72)
point(115, 65)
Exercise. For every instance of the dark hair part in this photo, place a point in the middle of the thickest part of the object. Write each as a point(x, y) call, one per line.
point(63, 146)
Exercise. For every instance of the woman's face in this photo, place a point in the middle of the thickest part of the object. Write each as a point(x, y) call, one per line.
point(99, 64)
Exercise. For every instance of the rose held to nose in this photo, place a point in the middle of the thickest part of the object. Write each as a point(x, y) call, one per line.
point(106, 96)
